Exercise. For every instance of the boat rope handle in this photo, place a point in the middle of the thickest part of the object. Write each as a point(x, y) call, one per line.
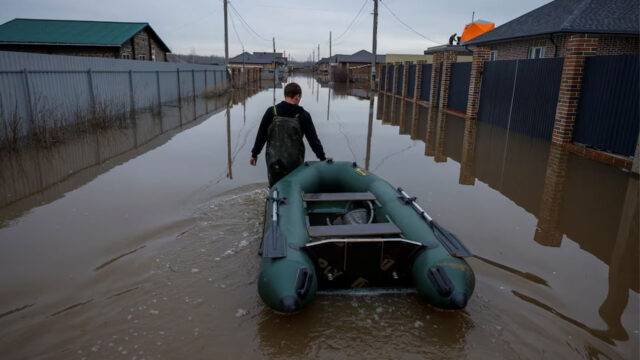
point(412, 200)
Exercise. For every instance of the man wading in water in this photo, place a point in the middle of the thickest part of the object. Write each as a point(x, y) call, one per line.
point(282, 128)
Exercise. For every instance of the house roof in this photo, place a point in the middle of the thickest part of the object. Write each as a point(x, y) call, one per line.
point(573, 16)
point(72, 32)
point(257, 58)
point(362, 56)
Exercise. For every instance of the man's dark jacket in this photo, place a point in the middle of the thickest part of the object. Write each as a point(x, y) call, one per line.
point(285, 109)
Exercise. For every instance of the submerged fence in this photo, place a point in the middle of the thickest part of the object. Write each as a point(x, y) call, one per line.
point(47, 90)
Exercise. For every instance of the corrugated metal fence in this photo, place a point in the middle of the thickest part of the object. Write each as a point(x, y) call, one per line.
point(383, 76)
point(608, 111)
point(425, 85)
point(399, 81)
point(411, 78)
point(459, 86)
point(390, 83)
point(521, 95)
point(52, 86)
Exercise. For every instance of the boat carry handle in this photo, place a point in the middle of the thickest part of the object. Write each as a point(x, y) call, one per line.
point(303, 283)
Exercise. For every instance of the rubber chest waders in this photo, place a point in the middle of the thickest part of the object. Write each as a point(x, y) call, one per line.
point(285, 149)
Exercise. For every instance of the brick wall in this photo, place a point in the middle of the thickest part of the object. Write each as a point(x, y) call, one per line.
point(578, 48)
point(88, 51)
point(609, 45)
point(480, 55)
point(143, 43)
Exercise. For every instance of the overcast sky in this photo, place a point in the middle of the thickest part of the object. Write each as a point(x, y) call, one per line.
point(298, 26)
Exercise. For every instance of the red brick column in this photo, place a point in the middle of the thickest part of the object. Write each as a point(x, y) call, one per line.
point(480, 55)
point(449, 58)
point(435, 77)
point(387, 75)
point(380, 77)
point(549, 233)
point(405, 79)
point(467, 162)
point(578, 47)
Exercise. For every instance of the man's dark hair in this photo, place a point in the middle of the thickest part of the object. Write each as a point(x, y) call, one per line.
point(292, 89)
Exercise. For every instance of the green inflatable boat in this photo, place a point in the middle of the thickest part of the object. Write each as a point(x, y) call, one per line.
point(332, 225)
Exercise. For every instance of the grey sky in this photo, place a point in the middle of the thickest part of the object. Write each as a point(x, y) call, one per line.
point(298, 26)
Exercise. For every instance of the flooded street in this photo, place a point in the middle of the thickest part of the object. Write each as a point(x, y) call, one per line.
point(142, 242)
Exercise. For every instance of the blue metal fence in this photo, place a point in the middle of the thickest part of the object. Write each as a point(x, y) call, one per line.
point(521, 95)
point(400, 80)
point(411, 81)
point(459, 86)
point(390, 83)
point(425, 85)
point(608, 110)
point(383, 77)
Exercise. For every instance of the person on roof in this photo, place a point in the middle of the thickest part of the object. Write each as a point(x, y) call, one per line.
point(282, 128)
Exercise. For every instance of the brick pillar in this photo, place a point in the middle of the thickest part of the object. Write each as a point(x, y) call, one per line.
point(403, 114)
point(395, 78)
point(405, 79)
point(380, 106)
point(435, 78)
point(418, 87)
point(449, 58)
point(379, 84)
point(480, 55)
point(430, 135)
point(467, 164)
point(578, 47)
point(393, 110)
point(441, 138)
point(549, 233)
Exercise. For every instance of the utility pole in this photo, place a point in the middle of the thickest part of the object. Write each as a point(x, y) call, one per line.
point(375, 45)
point(318, 52)
point(226, 37)
point(329, 65)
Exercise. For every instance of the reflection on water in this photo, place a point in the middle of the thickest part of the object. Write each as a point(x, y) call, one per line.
point(141, 241)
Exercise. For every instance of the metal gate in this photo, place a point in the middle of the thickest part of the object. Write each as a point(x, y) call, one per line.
point(459, 86)
point(425, 85)
point(521, 95)
point(411, 79)
point(390, 83)
point(608, 110)
point(400, 79)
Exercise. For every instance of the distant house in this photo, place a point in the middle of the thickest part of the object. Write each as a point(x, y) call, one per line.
point(543, 32)
point(264, 59)
point(121, 40)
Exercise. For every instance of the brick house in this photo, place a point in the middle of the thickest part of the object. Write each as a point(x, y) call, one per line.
point(545, 31)
point(120, 40)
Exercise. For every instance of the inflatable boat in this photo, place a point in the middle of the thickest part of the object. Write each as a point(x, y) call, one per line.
point(332, 225)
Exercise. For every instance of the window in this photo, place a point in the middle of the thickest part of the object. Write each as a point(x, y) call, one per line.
point(494, 55)
point(142, 57)
point(125, 56)
point(536, 52)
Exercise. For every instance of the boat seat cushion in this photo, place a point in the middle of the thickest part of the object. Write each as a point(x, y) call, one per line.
point(345, 196)
point(354, 230)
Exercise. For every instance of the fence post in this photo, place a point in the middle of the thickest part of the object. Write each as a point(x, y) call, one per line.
point(480, 55)
point(27, 88)
point(578, 47)
point(179, 92)
point(131, 95)
point(158, 83)
point(92, 95)
point(448, 59)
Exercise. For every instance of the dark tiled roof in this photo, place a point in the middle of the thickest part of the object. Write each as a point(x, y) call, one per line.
point(71, 32)
point(362, 56)
point(257, 58)
point(577, 16)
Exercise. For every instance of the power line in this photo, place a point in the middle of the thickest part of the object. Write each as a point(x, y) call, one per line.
point(244, 22)
point(353, 21)
point(407, 26)
point(233, 24)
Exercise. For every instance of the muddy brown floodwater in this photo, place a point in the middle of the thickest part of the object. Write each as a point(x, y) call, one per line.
point(141, 243)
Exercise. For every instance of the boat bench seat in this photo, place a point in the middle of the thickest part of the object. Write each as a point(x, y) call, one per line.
point(344, 196)
point(354, 230)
